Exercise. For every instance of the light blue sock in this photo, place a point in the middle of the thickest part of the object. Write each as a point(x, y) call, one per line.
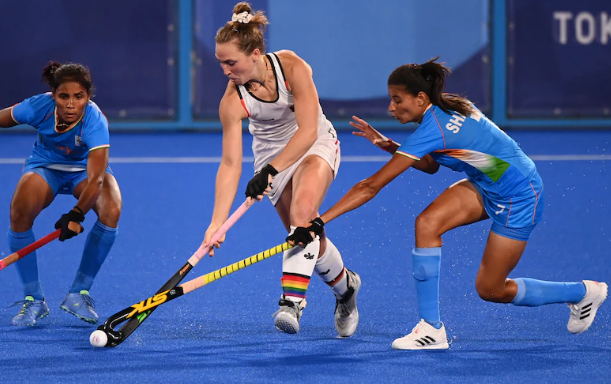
point(27, 268)
point(98, 244)
point(533, 293)
point(426, 263)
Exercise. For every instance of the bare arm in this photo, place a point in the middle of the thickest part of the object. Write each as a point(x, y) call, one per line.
point(299, 76)
point(367, 189)
point(96, 168)
point(426, 164)
point(6, 119)
point(231, 114)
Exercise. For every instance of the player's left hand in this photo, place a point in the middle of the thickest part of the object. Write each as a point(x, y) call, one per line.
point(261, 183)
point(305, 235)
point(70, 224)
point(370, 133)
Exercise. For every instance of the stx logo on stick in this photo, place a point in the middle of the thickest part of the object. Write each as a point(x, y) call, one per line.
point(151, 302)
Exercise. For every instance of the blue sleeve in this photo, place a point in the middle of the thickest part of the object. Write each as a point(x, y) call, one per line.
point(33, 110)
point(96, 133)
point(426, 139)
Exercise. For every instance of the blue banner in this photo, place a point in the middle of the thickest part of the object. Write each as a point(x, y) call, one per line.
point(354, 46)
point(129, 46)
point(559, 58)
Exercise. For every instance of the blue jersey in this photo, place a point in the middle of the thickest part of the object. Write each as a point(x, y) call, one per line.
point(66, 150)
point(476, 146)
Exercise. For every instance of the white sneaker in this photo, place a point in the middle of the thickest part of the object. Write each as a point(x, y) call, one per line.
point(583, 313)
point(287, 317)
point(423, 336)
point(346, 312)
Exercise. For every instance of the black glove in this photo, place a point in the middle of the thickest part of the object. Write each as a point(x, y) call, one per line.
point(259, 183)
point(67, 233)
point(302, 235)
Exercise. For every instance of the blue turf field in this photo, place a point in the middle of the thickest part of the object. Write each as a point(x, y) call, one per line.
point(224, 332)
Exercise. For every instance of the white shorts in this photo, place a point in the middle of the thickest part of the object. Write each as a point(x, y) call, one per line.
point(326, 147)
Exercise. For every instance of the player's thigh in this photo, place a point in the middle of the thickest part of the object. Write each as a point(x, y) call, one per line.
point(311, 182)
point(460, 204)
point(31, 196)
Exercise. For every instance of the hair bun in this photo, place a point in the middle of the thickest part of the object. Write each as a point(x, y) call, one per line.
point(242, 17)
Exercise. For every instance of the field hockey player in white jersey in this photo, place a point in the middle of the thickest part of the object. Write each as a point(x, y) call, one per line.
point(296, 154)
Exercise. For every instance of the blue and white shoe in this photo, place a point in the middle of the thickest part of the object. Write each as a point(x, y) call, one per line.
point(80, 305)
point(31, 311)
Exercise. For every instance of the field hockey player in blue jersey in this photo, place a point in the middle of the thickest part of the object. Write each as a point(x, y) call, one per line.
point(69, 156)
point(502, 184)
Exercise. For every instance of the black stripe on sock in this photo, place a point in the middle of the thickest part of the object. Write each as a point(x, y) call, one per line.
point(295, 274)
point(337, 278)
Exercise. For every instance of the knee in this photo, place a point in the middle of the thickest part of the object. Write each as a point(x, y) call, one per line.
point(109, 214)
point(22, 217)
point(491, 291)
point(303, 212)
point(427, 224)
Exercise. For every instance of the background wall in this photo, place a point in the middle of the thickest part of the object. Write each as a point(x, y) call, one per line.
point(525, 63)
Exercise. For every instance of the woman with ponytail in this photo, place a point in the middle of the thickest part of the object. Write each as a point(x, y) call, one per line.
point(70, 156)
point(502, 184)
point(297, 156)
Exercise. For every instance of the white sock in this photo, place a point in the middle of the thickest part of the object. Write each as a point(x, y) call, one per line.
point(297, 268)
point(330, 268)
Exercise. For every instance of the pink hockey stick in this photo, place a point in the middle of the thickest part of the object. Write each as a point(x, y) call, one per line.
point(204, 248)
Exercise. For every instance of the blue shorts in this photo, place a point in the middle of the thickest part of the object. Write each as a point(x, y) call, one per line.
point(515, 217)
point(62, 182)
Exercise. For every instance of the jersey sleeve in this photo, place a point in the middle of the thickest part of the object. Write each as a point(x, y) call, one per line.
point(31, 110)
point(426, 139)
point(96, 133)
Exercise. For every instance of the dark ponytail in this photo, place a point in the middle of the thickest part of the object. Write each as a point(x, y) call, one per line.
point(48, 74)
point(55, 74)
point(430, 78)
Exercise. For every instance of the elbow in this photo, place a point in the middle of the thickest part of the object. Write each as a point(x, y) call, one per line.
point(233, 163)
point(98, 182)
point(312, 138)
point(433, 169)
point(308, 136)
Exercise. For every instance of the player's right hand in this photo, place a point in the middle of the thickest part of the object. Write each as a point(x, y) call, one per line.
point(370, 133)
point(70, 224)
point(209, 232)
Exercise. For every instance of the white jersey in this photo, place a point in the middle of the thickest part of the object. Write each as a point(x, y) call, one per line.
point(273, 123)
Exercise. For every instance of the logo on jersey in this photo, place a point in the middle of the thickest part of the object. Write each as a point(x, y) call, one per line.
point(78, 141)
